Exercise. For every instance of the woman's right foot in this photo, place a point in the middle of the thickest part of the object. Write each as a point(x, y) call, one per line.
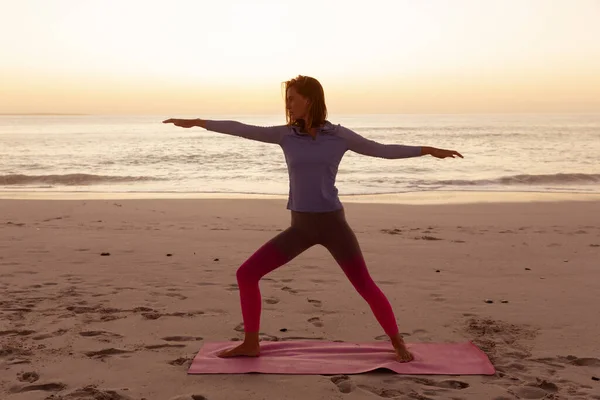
point(402, 353)
point(243, 350)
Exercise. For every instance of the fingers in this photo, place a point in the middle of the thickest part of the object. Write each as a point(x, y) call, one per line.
point(166, 121)
point(452, 154)
point(449, 153)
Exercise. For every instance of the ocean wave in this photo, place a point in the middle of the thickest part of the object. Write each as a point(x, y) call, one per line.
point(69, 179)
point(524, 179)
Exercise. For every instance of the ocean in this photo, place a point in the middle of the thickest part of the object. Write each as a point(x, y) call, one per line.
point(139, 154)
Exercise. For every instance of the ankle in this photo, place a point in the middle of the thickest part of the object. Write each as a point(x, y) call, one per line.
point(251, 338)
point(397, 341)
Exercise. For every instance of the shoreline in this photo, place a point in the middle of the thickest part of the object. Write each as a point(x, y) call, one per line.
point(430, 197)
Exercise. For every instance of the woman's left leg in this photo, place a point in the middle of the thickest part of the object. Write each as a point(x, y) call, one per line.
point(343, 245)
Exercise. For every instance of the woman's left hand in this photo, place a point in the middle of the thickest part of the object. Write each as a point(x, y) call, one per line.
point(441, 153)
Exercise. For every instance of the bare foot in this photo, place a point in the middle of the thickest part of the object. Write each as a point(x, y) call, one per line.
point(243, 350)
point(403, 355)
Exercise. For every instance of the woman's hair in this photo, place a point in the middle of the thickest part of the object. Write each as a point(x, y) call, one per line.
point(311, 89)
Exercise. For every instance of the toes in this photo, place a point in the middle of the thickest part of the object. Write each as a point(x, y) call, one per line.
point(406, 357)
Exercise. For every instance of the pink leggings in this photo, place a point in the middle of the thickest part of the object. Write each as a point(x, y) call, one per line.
point(308, 229)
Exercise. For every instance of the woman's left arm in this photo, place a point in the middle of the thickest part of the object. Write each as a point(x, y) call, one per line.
point(361, 145)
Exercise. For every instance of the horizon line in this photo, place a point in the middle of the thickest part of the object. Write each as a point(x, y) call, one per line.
point(270, 114)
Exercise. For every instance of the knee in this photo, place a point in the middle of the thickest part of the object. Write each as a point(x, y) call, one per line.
point(245, 273)
point(365, 287)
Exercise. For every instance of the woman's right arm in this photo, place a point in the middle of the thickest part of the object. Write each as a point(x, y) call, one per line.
point(266, 134)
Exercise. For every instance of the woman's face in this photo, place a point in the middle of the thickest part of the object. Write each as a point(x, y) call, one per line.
point(296, 104)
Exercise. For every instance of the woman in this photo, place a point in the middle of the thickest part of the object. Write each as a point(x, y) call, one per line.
point(313, 148)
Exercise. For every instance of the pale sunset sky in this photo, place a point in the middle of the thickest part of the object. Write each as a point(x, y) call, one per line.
point(200, 57)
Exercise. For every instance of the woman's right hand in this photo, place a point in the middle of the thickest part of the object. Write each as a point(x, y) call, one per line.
point(184, 123)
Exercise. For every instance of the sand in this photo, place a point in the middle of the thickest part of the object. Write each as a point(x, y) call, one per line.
point(79, 325)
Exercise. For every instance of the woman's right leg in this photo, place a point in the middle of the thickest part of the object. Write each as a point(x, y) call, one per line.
point(273, 254)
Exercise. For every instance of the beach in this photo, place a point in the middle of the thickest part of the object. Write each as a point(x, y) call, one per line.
point(518, 277)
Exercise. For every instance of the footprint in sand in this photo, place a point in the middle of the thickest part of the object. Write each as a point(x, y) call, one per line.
point(103, 336)
point(176, 295)
point(83, 309)
point(233, 286)
point(182, 338)
point(92, 392)
point(14, 352)
point(387, 393)
point(316, 321)
point(421, 335)
point(443, 384)
point(45, 387)
point(316, 303)
point(15, 223)
point(584, 362)
point(142, 309)
point(180, 361)
point(16, 361)
point(437, 297)
point(163, 346)
point(529, 392)
point(387, 338)
point(265, 337)
point(427, 238)
point(106, 352)
point(18, 309)
point(56, 333)
point(16, 332)
point(185, 314)
point(153, 314)
point(11, 264)
point(271, 300)
point(189, 397)
point(452, 384)
point(206, 284)
point(394, 231)
point(547, 386)
point(29, 377)
point(343, 383)
point(289, 290)
point(312, 267)
point(284, 339)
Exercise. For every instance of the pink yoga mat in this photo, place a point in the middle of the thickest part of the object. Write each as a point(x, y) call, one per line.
point(331, 358)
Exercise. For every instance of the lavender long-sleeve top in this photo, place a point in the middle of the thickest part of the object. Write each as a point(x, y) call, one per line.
point(313, 163)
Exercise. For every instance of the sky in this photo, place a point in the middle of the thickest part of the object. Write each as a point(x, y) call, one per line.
point(195, 57)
